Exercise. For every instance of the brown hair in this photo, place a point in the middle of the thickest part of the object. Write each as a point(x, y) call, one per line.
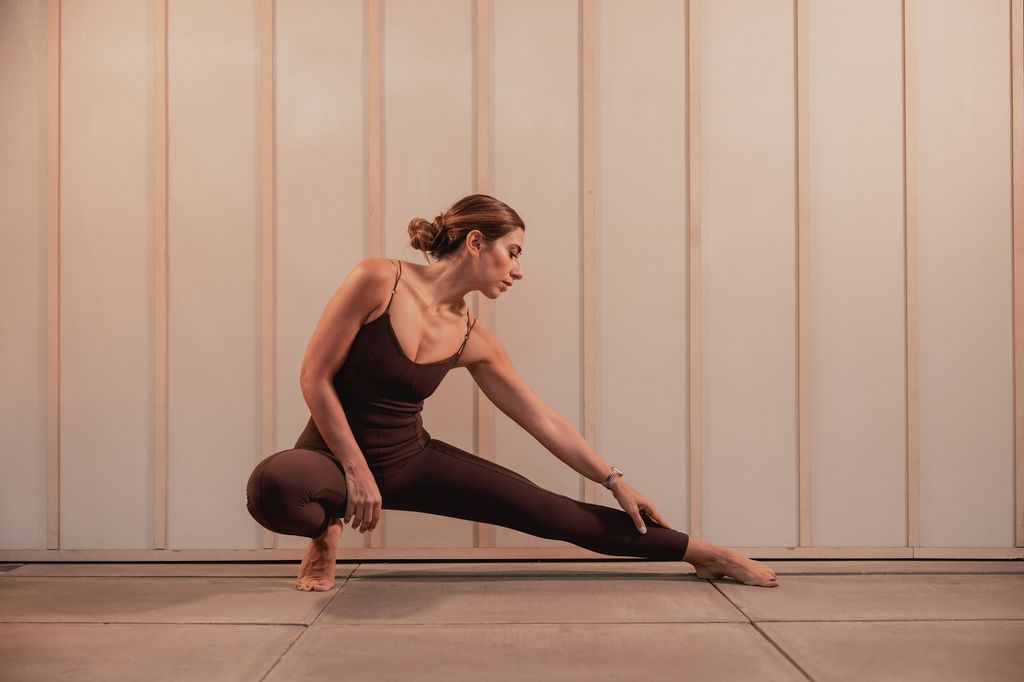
point(448, 231)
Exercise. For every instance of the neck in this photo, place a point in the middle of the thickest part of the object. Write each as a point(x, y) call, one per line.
point(448, 283)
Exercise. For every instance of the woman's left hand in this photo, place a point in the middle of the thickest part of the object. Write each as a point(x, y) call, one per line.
point(634, 504)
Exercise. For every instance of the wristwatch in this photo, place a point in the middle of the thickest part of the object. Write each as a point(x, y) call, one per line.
point(611, 477)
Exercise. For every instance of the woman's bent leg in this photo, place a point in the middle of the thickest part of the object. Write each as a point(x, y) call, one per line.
point(447, 481)
point(296, 492)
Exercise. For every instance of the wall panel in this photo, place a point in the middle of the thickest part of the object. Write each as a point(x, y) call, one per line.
point(641, 231)
point(749, 276)
point(320, 186)
point(213, 396)
point(858, 387)
point(965, 274)
point(536, 171)
point(23, 274)
point(105, 304)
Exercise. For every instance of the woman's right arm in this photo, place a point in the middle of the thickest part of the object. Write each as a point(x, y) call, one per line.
point(357, 297)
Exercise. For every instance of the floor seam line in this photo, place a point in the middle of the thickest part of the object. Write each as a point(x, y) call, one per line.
point(444, 624)
point(502, 623)
point(782, 651)
point(889, 620)
point(150, 622)
point(757, 629)
point(283, 654)
point(329, 601)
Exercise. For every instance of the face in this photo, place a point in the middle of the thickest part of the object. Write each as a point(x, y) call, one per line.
point(500, 263)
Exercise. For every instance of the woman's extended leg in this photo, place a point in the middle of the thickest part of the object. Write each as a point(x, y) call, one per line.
point(447, 481)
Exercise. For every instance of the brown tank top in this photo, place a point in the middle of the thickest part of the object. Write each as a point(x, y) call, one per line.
point(382, 392)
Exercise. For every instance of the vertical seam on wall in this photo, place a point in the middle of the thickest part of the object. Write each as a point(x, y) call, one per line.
point(694, 175)
point(910, 270)
point(160, 279)
point(803, 200)
point(53, 274)
point(1017, 257)
point(268, 380)
point(374, 38)
point(588, 219)
point(374, 156)
point(483, 433)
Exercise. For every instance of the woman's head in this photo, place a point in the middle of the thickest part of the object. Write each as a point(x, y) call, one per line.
point(447, 232)
point(480, 236)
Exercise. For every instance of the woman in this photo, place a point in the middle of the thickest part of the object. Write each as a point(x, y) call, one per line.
point(382, 346)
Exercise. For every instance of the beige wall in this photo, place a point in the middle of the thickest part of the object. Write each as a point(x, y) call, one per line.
point(908, 396)
point(857, 331)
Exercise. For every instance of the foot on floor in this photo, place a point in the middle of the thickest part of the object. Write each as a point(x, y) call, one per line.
point(316, 573)
point(732, 565)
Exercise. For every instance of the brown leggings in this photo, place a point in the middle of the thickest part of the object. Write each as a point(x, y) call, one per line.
point(298, 492)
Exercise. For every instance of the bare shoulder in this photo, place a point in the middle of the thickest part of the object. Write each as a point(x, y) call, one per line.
point(370, 282)
point(374, 270)
point(356, 299)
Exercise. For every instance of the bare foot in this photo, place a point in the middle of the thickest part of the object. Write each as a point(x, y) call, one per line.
point(729, 564)
point(316, 573)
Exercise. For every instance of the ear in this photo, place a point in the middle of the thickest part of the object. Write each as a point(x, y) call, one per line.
point(475, 240)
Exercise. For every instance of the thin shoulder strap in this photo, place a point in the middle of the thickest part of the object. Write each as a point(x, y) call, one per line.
point(469, 328)
point(395, 287)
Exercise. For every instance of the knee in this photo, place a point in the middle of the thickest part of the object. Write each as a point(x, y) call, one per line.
point(281, 489)
point(265, 496)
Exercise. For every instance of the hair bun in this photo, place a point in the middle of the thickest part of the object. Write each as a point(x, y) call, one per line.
point(440, 230)
point(422, 234)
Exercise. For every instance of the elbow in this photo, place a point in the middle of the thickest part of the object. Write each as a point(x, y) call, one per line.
point(309, 383)
point(309, 373)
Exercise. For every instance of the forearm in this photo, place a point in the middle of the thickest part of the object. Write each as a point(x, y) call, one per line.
point(563, 440)
point(330, 420)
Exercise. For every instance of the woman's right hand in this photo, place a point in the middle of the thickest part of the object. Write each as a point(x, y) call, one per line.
point(364, 501)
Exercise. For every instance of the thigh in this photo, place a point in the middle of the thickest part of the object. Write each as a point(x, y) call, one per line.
point(448, 481)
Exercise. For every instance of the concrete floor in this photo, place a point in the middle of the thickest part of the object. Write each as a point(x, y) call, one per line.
point(622, 620)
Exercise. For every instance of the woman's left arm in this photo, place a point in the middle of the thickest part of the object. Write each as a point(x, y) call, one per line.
point(492, 370)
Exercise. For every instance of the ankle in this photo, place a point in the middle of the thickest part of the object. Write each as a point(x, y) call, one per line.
point(327, 534)
point(700, 552)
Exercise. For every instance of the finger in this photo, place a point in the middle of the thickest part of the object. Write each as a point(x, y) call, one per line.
point(349, 510)
point(367, 520)
point(376, 517)
point(639, 522)
point(357, 518)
